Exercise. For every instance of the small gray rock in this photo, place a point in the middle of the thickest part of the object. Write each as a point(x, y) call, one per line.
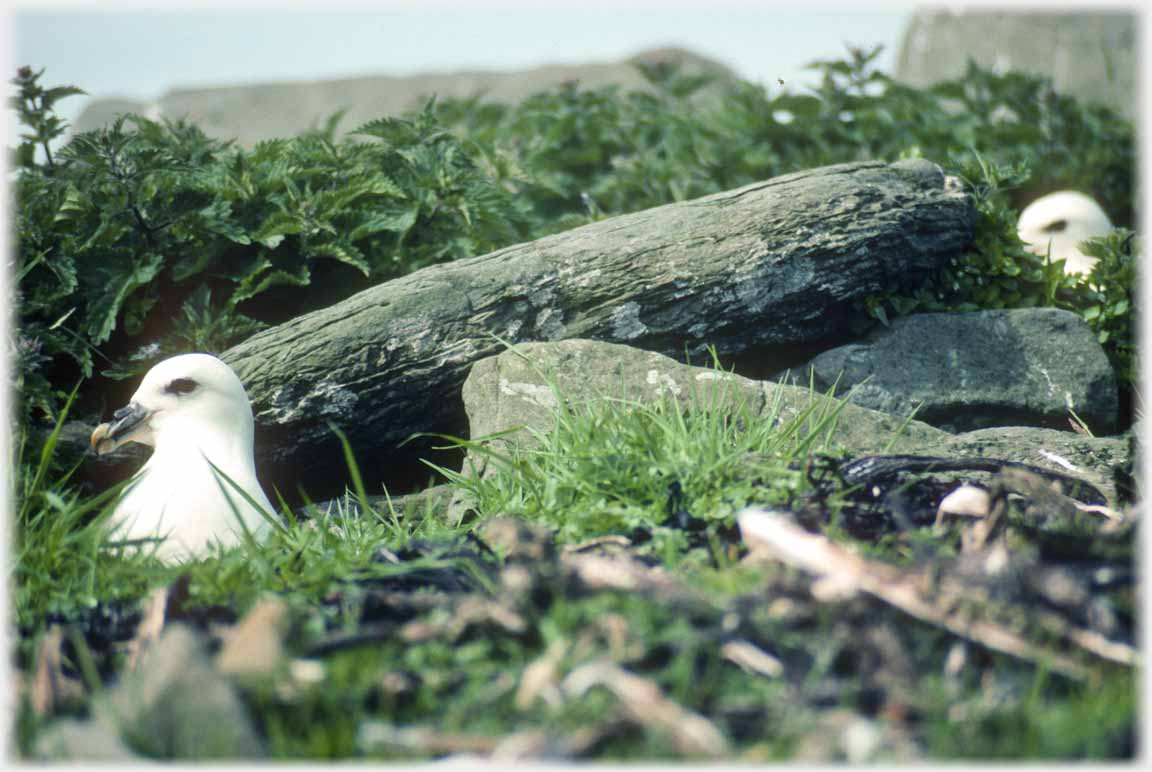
point(1092, 458)
point(177, 705)
point(74, 740)
point(1025, 367)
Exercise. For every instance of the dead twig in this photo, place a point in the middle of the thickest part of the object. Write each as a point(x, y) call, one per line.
point(538, 681)
point(47, 681)
point(374, 735)
point(254, 647)
point(603, 572)
point(152, 620)
point(612, 539)
point(470, 610)
point(692, 734)
point(752, 659)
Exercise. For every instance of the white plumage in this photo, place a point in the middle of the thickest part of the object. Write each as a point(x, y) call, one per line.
point(1063, 220)
point(192, 409)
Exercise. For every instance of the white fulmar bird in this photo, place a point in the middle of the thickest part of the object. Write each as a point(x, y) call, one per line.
point(192, 409)
point(1061, 221)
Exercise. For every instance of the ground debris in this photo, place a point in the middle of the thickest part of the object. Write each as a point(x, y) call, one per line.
point(539, 679)
point(50, 687)
point(950, 603)
point(497, 638)
point(174, 705)
point(375, 736)
point(594, 572)
point(83, 740)
point(840, 735)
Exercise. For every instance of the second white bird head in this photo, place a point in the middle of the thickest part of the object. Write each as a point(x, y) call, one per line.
point(1060, 222)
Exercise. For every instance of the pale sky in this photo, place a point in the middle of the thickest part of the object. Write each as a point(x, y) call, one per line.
point(141, 52)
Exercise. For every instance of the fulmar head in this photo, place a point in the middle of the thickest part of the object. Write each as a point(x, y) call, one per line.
point(194, 412)
point(1060, 222)
point(181, 396)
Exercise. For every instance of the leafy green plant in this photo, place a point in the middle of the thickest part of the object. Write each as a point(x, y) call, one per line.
point(143, 239)
point(1009, 136)
point(34, 106)
point(590, 152)
point(1111, 294)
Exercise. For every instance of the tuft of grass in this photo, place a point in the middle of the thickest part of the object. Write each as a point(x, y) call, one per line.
point(62, 568)
point(1047, 721)
point(615, 465)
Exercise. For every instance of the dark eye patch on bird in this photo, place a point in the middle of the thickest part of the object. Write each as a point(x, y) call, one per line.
point(1056, 226)
point(181, 386)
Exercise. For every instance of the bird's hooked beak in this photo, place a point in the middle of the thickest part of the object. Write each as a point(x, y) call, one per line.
point(125, 424)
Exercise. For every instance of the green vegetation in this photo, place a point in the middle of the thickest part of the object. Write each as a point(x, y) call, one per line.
point(148, 238)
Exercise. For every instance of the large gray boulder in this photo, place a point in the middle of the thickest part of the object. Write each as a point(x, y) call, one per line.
point(523, 387)
point(775, 263)
point(521, 390)
point(1088, 54)
point(174, 704)
point(1049, 448)
point(1024, 367)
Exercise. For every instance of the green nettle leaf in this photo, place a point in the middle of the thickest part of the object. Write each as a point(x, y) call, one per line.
point(397, 221)
point(344, 252)
point(800, 105)
point(53, 95)
point(187, 267)
point(109, 230)
point(271, 241)
point(392, 130)
point(105, 307)
point(382, 186)
point(70, 207)
point(247, 281)
point(259, 281)
point(273, 230)
point(24, 155)
point(217, 218)
point(136, 311)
